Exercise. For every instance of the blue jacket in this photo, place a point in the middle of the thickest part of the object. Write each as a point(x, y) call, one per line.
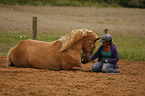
point(114, 59)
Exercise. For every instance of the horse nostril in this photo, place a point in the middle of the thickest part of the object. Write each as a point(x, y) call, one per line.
point(83, 62)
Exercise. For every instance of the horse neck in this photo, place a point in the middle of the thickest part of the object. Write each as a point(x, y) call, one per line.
point(78, 45)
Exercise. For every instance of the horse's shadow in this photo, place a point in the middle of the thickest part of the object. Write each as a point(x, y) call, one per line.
point(82, 69)
point(75, 69)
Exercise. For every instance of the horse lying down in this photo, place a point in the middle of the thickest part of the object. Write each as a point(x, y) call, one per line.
point(63, 53)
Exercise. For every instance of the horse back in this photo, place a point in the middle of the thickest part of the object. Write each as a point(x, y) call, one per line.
point(20, 53)
point(36, 54)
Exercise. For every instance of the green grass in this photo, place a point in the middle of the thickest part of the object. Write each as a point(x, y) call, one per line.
point(130, 48)
point(125, 25)
point(127, 49)
point(8, 40)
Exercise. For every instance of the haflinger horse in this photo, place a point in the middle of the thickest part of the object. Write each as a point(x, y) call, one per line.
point(63, 53)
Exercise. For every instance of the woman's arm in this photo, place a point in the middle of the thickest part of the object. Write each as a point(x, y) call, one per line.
point(97, 54)
point(115, 56)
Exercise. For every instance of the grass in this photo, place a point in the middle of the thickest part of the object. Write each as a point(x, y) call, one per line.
point(131, 48)
point(125, 25)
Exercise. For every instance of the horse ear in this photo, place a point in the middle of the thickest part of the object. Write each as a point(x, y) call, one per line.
point(97, 38)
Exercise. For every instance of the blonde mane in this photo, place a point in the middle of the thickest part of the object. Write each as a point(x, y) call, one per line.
point(69, 39)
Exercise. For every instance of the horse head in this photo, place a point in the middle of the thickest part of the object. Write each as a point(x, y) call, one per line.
point(88, 41)
point(89, 45)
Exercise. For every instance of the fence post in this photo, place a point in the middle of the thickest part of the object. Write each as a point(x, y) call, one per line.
point(106, 30)
point(34, 28)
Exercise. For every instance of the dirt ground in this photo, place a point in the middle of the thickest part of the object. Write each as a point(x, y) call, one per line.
point(36, 82)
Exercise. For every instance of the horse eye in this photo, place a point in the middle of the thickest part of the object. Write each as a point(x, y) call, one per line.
point(93, 47)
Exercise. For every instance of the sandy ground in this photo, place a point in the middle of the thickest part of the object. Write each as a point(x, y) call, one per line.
point(35, 82)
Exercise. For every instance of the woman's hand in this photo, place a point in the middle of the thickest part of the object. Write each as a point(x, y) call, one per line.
point(106, 61)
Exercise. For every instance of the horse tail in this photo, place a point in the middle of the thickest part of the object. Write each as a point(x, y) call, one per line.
point(9, 61)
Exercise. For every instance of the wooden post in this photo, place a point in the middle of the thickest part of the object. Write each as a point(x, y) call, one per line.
point(34, 28)
point(106, 30)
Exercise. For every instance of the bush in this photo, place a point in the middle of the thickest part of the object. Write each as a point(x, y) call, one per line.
point(78, 3)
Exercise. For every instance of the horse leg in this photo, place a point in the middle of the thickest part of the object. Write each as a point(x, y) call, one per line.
point(67, 67)
point(9, 61)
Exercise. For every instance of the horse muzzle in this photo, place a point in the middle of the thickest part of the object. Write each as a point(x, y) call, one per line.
point(85, 59)
point(84, 62)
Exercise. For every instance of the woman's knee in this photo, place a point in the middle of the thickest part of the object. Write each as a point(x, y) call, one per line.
point(97, 67)
point(107, 68)
point(104, 68)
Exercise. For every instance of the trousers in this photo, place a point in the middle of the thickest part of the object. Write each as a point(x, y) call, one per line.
point(103, 67)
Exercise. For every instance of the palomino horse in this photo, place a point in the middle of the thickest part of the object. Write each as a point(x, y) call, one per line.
point(60, 54)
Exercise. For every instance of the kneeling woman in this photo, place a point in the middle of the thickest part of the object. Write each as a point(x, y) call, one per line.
point(107, 56)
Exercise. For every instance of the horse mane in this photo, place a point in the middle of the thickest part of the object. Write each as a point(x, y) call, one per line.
point(69, 39)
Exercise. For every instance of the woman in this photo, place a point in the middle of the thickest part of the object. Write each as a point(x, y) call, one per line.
point(107, 56)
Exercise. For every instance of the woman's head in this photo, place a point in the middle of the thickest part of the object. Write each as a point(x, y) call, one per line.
point(106, 39)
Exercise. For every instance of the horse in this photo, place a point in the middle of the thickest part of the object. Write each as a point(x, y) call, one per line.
point(62, 54)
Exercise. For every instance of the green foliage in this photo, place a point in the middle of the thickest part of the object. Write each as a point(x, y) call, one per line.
point(132, 3)
point(78, 3)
